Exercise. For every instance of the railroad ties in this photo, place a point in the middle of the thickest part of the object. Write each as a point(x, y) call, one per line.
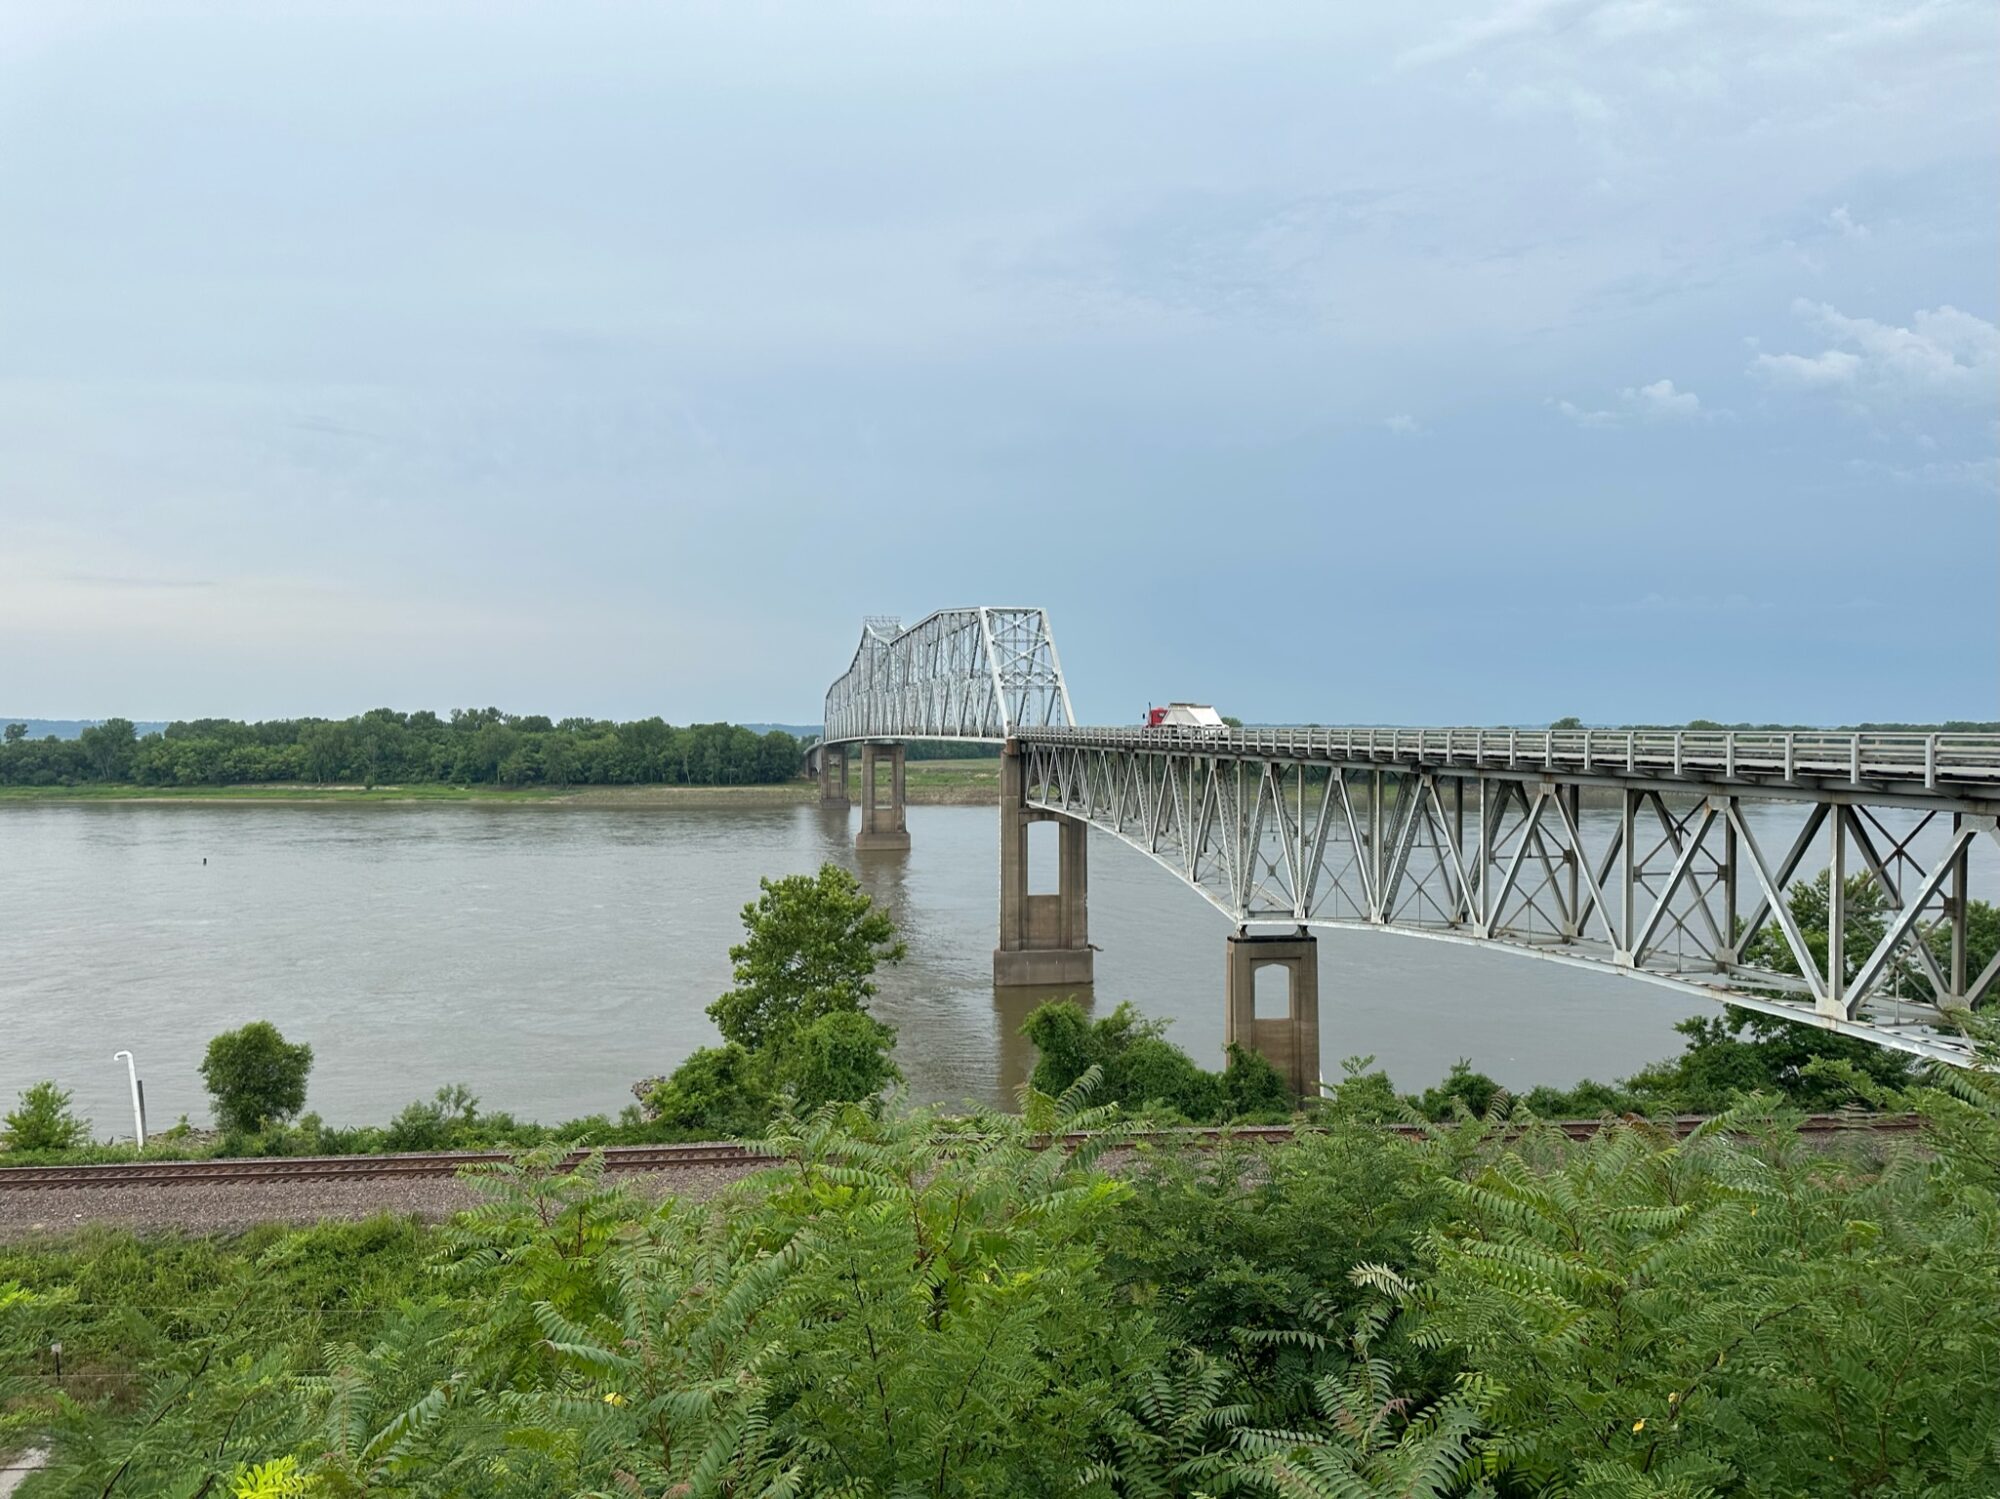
point(246, 1171)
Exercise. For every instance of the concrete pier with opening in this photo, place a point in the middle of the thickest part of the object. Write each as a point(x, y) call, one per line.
point(1044, 939)
point(884, 803)
point(1290, 1042)
point(833, 776)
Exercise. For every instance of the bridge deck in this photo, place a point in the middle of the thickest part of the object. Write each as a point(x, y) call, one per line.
point(1960, 769)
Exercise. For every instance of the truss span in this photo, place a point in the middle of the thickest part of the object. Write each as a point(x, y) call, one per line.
point(1673, 858)
point(978, 674)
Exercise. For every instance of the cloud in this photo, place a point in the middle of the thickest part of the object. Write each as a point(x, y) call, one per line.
point(1585, 418)
point(1403, 424)
point(1834, 367)
point(1975, 473)
point(1657, 402)
point(1661, 402)
point(1944, 355)
point(1845, 222)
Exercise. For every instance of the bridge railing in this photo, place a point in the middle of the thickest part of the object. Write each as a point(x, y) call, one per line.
point(1817, 757)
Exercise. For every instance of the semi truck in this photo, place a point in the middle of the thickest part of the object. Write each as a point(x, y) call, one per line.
point(1184, 716)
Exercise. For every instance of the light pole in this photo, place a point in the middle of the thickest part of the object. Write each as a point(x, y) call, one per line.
point(138, 1108)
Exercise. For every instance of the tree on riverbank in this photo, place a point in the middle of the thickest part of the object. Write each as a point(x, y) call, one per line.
point(473, 746)
point(796, 1021)
point(256, 1077)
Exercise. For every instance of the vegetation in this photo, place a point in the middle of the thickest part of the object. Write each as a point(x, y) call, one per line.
point(1138, 1068)
point(43, 1120)
point(910, 1304)
point(472, 747)
point(796, 1023)
point(255, 1076)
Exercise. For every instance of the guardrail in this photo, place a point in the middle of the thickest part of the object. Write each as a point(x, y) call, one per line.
point(1932, 761)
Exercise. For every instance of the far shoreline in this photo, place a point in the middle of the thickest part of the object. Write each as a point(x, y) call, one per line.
point(958, 793)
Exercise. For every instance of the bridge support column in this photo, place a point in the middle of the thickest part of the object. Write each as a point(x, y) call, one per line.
point(833, 777)
point(1291, 1043)
point(884, 821)
point(1044, 939)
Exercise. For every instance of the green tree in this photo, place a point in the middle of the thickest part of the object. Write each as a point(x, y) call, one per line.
point(841, 1057)
point(16, 732)
point(256, 1076)
point(813, 941)
point(1475, 1090)
point(109, 747)
point(718, 1091)
point(1744, 1051)
point(43, 1121)
point(1139, 1068)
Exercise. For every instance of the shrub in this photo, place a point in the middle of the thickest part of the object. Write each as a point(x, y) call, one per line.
point(716, 1091)
point(43, 1121)
point(1142, 1068)
point(839, 1058)
point(256, 1076)
point(812, 941)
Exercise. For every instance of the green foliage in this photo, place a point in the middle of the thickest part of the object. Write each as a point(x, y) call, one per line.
point(1462, 1089)
point(476, 746)
point(1742, 1052)
point(1139, 1069)
point(908, 1304)
point(718, 1092)
point(1644, 1317)
point(441, 1124)
point(256, 1076)
point(812, 941)
point(842, 1057)
point(43, 1121)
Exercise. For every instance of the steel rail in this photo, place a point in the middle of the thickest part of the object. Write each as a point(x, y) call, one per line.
point(257, 1170)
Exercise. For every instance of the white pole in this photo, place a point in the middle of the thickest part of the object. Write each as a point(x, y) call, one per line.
point(138, 1113)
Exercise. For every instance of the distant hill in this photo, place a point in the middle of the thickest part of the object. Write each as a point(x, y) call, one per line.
point(71, 728)
point(796, 730)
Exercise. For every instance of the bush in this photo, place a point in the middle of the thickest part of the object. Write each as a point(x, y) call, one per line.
point(839, 1058)
point(1141, 1068)
point(43, 1121)
point(438, 1125)
point(256, 1076)
point(811, 943)
point(717, 1091)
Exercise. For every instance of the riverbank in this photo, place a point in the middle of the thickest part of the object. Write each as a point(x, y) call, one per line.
point(936, 783)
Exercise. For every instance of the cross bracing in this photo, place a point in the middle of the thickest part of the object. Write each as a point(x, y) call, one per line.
point(977, 674)
point(1669, 857)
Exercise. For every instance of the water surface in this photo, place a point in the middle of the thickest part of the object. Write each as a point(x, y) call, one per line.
point(549, 956)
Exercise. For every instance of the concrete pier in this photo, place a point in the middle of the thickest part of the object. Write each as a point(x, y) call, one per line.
point(833, 776)
point(1044, 939)
point(884, 804)
point(1289, 1043)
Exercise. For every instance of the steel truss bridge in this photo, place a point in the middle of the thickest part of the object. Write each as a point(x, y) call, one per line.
point(1672, 857)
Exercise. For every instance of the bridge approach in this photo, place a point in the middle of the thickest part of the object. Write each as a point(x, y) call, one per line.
point(1646, 854)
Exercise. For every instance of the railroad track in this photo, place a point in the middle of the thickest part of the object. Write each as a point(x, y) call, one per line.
point(248, 1171)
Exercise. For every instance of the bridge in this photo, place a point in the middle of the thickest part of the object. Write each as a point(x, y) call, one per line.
point(1647, 854)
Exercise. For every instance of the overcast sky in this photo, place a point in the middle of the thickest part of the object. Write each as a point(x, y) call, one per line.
point(1416, 363)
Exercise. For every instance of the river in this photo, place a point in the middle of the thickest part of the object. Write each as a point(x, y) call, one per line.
point(548, 956)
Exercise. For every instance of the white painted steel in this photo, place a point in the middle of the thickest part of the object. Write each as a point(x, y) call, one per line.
point(1367, 828)
point(977, 674)
point(1475, 835)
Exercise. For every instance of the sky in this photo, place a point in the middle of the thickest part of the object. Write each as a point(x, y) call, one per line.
point(1429, 363)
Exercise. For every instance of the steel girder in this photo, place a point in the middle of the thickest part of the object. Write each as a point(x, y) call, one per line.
point(979, 674)
point(1630, 855)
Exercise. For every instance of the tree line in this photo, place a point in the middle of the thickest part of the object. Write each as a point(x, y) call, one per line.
point(470, 747)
